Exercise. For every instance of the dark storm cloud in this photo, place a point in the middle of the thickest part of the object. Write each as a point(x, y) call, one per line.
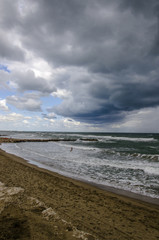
point(9, 20)
point(109, 50)
point(108, 99)
point(9, 50)
point(148, 8)
point(9, 14)
point(99, 36)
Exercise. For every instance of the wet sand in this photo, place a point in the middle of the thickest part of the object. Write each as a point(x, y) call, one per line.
point(39, 204)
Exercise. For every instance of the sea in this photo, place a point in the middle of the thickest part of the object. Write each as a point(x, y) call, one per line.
point(123, 161)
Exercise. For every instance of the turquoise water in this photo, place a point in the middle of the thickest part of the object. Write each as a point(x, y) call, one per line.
point(124, 161)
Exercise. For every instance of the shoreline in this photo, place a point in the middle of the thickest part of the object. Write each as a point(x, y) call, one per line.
point(78, 208)
point(118, 191)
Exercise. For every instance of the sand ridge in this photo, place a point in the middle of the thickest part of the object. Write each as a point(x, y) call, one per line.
point(15, 198)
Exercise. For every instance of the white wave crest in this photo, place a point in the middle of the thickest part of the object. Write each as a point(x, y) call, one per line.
point(152, 170)
point(129, 139)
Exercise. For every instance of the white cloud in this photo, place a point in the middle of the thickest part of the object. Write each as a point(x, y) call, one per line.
point(25, 121)
point(3, 105)
point(49, 116)
point(4, 77)
point(12, 117)
point(61, 93)
point(29, 102)
point(145, 120)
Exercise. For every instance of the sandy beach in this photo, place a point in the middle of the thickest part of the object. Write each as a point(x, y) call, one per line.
point(39, 204)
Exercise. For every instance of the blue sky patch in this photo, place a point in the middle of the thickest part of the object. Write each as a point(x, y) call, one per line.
point(4, 68)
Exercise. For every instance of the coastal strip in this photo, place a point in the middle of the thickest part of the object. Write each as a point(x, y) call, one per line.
point(15, 140)
point(38, 204)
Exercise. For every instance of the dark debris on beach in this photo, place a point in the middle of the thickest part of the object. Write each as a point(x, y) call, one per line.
point(14, 140)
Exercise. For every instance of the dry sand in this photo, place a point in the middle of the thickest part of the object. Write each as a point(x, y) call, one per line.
point(40, 205)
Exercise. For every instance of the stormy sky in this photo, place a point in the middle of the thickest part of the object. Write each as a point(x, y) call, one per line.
point(79, 65)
